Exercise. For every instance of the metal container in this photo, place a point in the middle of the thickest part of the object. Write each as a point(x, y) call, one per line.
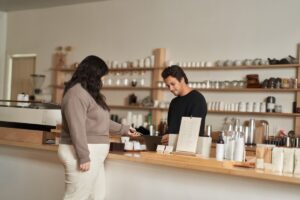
point(208, 130)
point(287, 141)
point(297, 142)
point(251, 134)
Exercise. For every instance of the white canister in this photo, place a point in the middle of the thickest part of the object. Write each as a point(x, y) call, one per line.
point(128, 146)
point(152, 59)
point(220, 152)
point(208, 64)
point(236, 107)
point(124, 65)
point(262, 107)
point(189, 64)
point(217, 85)
point(256, 107)
point(141, 63)
point(136, 146)
point(147, 62)
point(203, 146)
point(194, 64)
point(209, 104)
point(125, 139)
point(249, 107)
point(208, 85)
point(226, 107)
point(232, 106)
point(217, 106)
point(239, 149)
point(135, 63)
point(222, 106)
point(242, 107)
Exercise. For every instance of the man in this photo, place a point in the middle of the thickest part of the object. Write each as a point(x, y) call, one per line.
point(187, 102)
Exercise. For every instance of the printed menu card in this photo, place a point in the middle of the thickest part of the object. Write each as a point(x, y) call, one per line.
point(188, 134)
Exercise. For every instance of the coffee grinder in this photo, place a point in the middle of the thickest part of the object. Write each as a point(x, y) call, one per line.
point(38, 80)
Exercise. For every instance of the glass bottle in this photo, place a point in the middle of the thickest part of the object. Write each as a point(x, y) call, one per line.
point(220, 148)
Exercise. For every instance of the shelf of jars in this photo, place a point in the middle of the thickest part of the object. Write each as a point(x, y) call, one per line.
point(126, 107)
point(125, 88)
point(256, 113)
point(210, 111)
point(130, 69)
point(111, 87)
point(239, 89)
point(241, 67)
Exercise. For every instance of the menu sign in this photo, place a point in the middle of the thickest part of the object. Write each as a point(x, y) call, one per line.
point(188, 134)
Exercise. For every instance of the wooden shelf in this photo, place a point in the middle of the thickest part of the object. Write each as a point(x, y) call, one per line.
point(242, 67)
point(210, 111)
point(136, 107)
point(111, 88)
point(66, 70)
point(125, 88)
point(58, 86)
point(255, 113)
point(130, 69)
point(241, 90)
point(71, 70)
point(128, 107)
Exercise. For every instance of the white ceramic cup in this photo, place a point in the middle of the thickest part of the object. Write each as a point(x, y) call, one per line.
point(256, 107)
point(125, 139)
point(141, 63)
point(136, 145)
point(249, 107)
point(242, 107)
point(147, 62)
point(262, 107)
point(155, 103)
point(124, 65)
point(135, 64)
point(114, 64)
point(128, 146)
point(222, 106)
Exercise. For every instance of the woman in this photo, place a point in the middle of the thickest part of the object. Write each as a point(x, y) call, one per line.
point(86, 124)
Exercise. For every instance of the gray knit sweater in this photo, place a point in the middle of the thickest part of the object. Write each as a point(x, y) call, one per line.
point(85, 122)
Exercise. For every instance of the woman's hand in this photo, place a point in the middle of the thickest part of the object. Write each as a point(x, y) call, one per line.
point(84, 167)
point(165, 139)
point(133, 133)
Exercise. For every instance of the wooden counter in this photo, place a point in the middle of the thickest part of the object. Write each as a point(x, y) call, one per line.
point(178, 161)
point(207, 165)
point(47, 147)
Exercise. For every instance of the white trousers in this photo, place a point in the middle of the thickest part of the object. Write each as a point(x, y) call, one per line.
point(89, 185)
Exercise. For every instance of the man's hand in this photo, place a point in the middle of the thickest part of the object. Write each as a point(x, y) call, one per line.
point(84, 167)
point(165, 139)
point(133, 133)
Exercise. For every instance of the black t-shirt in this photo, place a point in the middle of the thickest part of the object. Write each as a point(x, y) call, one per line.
point(193, 104)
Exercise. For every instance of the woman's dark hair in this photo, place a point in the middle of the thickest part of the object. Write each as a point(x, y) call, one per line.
point(176, 72)
point(88, 74)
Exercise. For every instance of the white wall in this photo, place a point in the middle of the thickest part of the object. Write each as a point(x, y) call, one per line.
point(192, 30)
point(3, 20)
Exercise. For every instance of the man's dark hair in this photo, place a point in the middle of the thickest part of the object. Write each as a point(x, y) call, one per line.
point(176, 72)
